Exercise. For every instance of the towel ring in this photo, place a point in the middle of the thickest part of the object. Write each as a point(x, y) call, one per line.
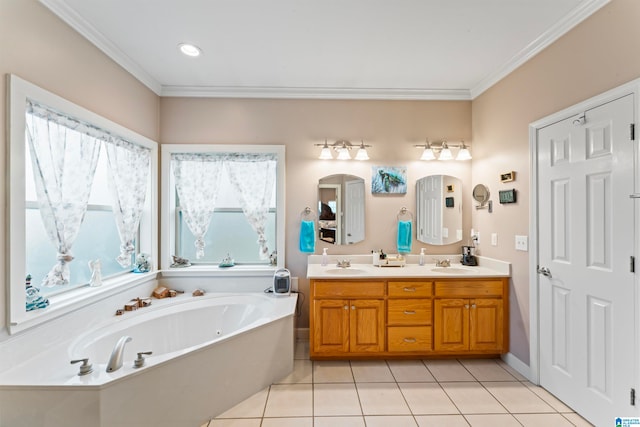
point(307, 214)
point(404, 211)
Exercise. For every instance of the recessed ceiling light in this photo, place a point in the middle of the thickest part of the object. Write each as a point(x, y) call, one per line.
point(189, 49)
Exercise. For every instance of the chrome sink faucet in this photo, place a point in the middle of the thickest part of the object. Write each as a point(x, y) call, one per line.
point(443, 262)
point(344, 263)
point(115, 361)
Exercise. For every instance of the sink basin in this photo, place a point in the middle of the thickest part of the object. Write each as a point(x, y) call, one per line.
point(345, 271)
point(450, 270)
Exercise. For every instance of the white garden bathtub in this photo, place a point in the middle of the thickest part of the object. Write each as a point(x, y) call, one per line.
point(209, 353)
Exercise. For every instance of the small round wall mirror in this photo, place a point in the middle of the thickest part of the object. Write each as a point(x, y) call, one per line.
point(481, 194)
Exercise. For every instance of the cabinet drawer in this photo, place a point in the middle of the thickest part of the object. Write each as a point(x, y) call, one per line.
point(469, 288)
point(409, 338)
point(410, 289)
point(409, 311)
point(343, 289)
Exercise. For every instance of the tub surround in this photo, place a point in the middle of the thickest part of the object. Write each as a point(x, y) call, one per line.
point(38, 385)
point(369, 312)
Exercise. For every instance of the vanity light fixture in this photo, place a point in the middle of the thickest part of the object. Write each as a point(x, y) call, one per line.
point(445, 153)
point(362, 152)
point(442, 150)
point(190, 49)
point(325, 154)
point(464, 153)
point(428, 153)
point(343, 148)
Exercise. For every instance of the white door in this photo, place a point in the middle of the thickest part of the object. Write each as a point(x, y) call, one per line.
point(354, 211)
point(586, 240)
point(429, 200)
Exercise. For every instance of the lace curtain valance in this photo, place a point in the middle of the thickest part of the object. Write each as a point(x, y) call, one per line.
point(64, 155)
point(197, 178)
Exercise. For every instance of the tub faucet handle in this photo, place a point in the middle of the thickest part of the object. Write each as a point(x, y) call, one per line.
point(85, 368)
point(139, 362)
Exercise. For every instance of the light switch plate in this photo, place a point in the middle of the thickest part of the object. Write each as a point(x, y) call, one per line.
point(522, 243)
point(494, 239)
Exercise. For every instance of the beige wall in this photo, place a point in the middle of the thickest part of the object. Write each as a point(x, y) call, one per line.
point(40, 48)
point(599, 54)
point(392, 127)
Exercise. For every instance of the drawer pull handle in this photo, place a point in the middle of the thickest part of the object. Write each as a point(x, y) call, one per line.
point(409, 289)
point(409, 312)
point(410, 340)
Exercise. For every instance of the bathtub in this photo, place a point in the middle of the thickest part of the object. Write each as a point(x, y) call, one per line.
point(208, 353)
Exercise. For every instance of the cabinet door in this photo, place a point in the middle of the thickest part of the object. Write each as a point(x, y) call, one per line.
point(486, 324)
point(451, 324)
point(367, 326)
point(331, 326)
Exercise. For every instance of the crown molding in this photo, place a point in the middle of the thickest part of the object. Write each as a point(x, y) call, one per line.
point(86, 30)
point(75, 21)
point(315, 93)
point(568, 22)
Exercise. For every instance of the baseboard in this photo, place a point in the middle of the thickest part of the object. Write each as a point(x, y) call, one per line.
point(517, 364)
point(302, 334)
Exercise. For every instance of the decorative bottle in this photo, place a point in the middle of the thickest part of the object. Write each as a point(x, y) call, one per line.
point(422, 256)
point(325, 257)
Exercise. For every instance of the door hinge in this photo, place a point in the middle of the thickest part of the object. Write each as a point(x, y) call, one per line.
point(632, 397)
point(632, 264)
point(632, 131)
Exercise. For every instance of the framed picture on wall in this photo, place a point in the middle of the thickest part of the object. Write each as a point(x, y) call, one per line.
point(389, 180)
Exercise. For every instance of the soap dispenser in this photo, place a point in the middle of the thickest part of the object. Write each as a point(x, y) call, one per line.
point(422, 254)
point(325, 257)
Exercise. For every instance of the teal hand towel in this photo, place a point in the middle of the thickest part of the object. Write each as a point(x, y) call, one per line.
point(307, 236)
point(404, 237)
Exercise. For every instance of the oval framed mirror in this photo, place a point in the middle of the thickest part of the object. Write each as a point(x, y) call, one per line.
point(439, 209)
point(481, 194)
point(341, 209)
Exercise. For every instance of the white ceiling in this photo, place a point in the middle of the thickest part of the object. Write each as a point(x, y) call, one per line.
point(335, 49)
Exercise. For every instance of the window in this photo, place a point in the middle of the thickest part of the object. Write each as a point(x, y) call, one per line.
point(73, 198)
point(223, 200)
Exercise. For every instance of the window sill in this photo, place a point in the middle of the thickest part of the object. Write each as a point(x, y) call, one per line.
point(65, 303)
point(215, 271)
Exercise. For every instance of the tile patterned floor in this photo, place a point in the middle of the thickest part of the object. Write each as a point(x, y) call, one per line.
point(399, 393)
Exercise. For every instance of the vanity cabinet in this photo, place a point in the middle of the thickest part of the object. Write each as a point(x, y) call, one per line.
point(409, 316)
point(469, 316)
point(402, 318)
point(348, 318)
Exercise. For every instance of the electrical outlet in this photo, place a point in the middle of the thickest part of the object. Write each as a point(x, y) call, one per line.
point(494, 239)
point(522, 243)
point(477, 238)
point(294, 284)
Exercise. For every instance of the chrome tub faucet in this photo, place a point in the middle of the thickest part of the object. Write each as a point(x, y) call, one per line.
point(115, 361)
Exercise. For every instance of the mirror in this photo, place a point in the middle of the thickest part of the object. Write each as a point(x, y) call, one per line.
point(481, 194)
point(439, 210)
point(341, 209)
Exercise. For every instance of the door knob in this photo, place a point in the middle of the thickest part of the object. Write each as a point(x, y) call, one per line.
point(544, 271)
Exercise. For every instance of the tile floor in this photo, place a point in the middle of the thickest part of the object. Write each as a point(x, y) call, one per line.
point(394, 393)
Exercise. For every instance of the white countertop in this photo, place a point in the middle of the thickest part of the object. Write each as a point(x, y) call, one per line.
point(361, 269)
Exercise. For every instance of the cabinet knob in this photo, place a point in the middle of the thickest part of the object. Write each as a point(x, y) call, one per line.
point(409, 289)
point(466, 306)
point(410, 340)
point(346, 307)
point(473, 306)
point(353, 307)
point(409, 312)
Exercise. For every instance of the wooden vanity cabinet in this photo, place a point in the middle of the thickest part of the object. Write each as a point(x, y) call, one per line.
point(348, 317)
point(359, 318)
point(469, 316)
point(409, 316)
